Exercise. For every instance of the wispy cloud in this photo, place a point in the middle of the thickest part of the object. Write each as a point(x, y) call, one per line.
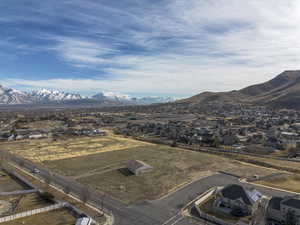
point(168, 46)
point(81, 51)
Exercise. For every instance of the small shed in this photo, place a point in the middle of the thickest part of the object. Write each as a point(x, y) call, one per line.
point(138, 167)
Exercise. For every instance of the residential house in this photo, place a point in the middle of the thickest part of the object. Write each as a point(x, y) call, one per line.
point(284, 210)
point(236, 198)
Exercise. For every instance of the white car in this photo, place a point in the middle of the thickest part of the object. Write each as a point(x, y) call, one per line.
point(35, 170)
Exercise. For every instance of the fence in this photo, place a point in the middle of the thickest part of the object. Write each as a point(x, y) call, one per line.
point(24, 192)
point(31, 212)
point(213, 219)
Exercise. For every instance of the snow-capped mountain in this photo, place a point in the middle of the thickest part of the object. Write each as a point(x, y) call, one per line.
point(12, 96)
point(45, 95)
point(9, 96)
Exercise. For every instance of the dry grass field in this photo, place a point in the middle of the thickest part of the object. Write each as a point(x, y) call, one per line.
point(269, 163)
point(47, 149)
point(8, 184)
point(285, 182)
point(172, 167)
point(96, 161)
point(56, 217)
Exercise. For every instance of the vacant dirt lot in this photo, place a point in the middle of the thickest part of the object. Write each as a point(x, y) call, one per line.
point(172, 168)
point(56, 217)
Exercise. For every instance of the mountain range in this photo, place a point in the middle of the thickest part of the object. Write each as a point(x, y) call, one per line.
point(9, 96)
point(283, 91)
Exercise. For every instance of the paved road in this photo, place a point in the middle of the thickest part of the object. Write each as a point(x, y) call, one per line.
point(168, 208)
point(165, 211)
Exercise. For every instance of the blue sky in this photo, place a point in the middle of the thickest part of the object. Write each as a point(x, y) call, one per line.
point(146, 47)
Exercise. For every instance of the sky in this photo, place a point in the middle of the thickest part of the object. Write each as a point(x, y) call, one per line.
point(146, 47)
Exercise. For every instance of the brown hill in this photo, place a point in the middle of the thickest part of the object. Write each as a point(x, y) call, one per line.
point(281, 92)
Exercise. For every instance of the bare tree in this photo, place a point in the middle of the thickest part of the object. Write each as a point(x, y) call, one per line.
point(67, 189)
point(85, 194)
point(102, 205)
point(21, 163)
point(174, 137)
point(292, 152)
point(47, 177)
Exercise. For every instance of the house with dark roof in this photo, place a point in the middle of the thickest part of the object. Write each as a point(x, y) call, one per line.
point(284, 210)
point(232, 198)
